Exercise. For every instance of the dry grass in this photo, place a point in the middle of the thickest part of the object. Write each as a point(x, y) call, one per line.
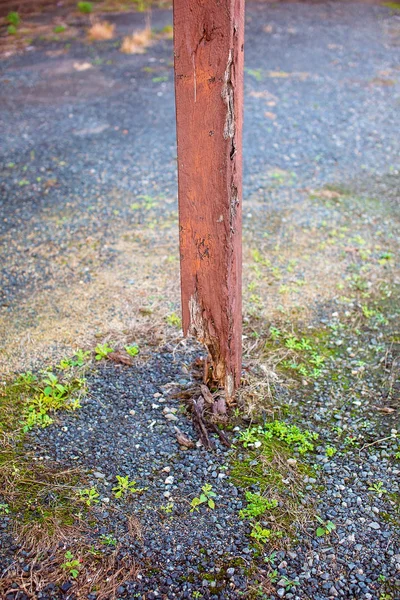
point(101, 31)
point(104, 309)
point(100, 570)
point(138, 42)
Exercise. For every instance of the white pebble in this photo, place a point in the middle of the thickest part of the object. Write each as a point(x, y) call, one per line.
point(171, 417)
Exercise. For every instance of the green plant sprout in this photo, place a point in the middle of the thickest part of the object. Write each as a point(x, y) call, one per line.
point(4, 508)
point(71, 564)
point(263, 535)
point(124, 486)
point(89, 496)
point(326, 527)
point(85, 7)
point(49, 396)
point(378, 488)
point(102, 351)
point(174, 320)
point(291, 435)
point(330, 451)
point(132, 350)
point(78, 360)
point(275, 333)
point(13, 19)
point(108, 539)
point(271, 558)
point(273, 576)
point(206, 497)
point(256, 506)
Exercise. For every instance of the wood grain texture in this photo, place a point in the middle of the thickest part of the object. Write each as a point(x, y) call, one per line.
point(208, 44)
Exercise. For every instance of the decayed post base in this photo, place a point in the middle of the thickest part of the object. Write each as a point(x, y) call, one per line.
point(208, 44)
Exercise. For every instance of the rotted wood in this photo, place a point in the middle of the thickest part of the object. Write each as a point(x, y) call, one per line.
point(208, 44)
point(208, 411)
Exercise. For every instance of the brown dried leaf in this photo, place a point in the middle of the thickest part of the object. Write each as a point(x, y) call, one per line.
point(207, 395)
point(121, 358)
point(183, 440)
point(384, 409)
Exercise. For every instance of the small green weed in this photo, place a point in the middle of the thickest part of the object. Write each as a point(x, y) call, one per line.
point(305, 358)
point(85, 7)
point(263, 535)
point(378, 488)
point(256, 73)
point(291, 435)
point(47, 396)
point(102, 351)
point(273, 576)
point(330, 451)
point(4, 508)
point(174, 320)
point(78, 360)
point(350, 441)
point(275, 333)
point(205, 498)
point(89, 496)
point(257, 506)
point(124, 486)
point(59, 29)
point(108, 539)
point(289, 583)
point(13, 19)
point(326, 527)
point(271, 558)
point(71, 564)
point(132, 350)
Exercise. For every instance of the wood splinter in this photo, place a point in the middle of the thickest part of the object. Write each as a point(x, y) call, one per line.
point(208, 44)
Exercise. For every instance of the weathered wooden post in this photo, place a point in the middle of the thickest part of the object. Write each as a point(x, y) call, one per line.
point(208, 45)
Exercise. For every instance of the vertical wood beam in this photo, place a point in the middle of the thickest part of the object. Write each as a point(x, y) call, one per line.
point(208, 45)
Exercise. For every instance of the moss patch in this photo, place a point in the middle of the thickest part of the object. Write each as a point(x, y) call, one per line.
point(270, 469)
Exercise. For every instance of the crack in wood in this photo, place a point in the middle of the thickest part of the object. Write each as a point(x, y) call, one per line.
point(227, 94)
point(199, 326)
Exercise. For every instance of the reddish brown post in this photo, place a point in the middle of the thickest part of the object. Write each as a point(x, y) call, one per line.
point(208, 43)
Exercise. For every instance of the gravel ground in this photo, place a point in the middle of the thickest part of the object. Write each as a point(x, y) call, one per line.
point(322, 102)
point(122, 429)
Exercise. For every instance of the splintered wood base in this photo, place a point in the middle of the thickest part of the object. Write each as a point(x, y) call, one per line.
point(208, 44)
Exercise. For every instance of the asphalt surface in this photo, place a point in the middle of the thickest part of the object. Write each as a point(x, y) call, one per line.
point(329, 72)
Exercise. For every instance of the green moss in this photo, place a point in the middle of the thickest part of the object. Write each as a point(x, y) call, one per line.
point(272, 480)
point(307, 355)
point(393, 5)
point(37, 491)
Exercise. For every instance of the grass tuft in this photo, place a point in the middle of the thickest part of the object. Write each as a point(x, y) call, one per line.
point(137, 43)
point(101, 31)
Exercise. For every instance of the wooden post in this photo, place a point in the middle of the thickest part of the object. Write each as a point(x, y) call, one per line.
point(208, 45)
